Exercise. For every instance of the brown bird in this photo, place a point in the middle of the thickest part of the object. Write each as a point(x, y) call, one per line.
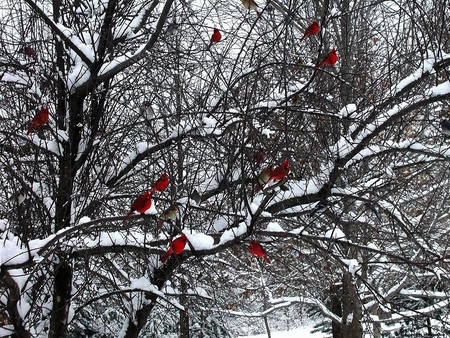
point(263, 178)
point(251, 4)
point(297, 65)
point(170, 214)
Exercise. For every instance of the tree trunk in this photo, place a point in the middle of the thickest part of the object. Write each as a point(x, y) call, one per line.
point(336, 309)
point(61, 301)
point(184, 315)
point(351, 309)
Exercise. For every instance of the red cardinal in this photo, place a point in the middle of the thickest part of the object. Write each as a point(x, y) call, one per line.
point(28, 51)
point(280, 172)
point(161, 183)
point(177, 246)
point(215, 37)
point(140, 204)
point(330, 59)
point(257, 250)
point(259, 155)
point(251, 4)
point(40, 119)
point(169, 215)
point(313, 29)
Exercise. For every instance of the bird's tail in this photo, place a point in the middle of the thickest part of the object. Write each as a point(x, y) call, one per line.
point(128, 215)
point(160, 223)
point(166, 256)
point(31, 129)
point(258, 14)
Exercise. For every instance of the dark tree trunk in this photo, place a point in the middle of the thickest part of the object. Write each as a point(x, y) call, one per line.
point(61, 301)
point(352, 309)
point(336, 309)
point(184, 315)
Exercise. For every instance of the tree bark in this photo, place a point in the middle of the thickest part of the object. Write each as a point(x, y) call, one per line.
point(351, 309)
point(336, 309)
point(184, 315)
point(61, 301)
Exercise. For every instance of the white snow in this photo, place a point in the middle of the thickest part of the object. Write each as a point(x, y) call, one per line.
point(347, 110)
point(83, 220)
point(304, 332)
point(231, 234)
point(13, 78)
point(274, 227)
point(267, 132)
point(200, 241)
point(426, 67)
point(335, 233)
point(353, 265)
point(440, 89)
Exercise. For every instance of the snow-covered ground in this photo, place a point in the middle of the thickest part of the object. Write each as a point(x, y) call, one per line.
point(297, 333)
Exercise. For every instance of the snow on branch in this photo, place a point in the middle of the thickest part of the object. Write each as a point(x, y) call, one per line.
point(281, 303)
point(414, 313)
point(125, 61)
point(408, 82)
point(137, 285)
point(141, 154)
point(433, 94)
point(57, 29)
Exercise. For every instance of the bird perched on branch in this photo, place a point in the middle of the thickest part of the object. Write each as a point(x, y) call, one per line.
point(173, 27)
point(280, 172)
point(28, 51)
point(40, 119)
point(170, 214)
point(330, 59)
point(251, 4)
point(161, 183)
point(140, 204)
point(319, 207)
point(263, 178)
point(259, 156)
point(146, 110)
point(298, 63)
point(18, 197)
point(177, 246)
point(257, 250)
point(313, 29)
point(215, 37)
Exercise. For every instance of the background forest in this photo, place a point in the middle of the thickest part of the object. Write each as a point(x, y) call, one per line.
point(356, 232)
